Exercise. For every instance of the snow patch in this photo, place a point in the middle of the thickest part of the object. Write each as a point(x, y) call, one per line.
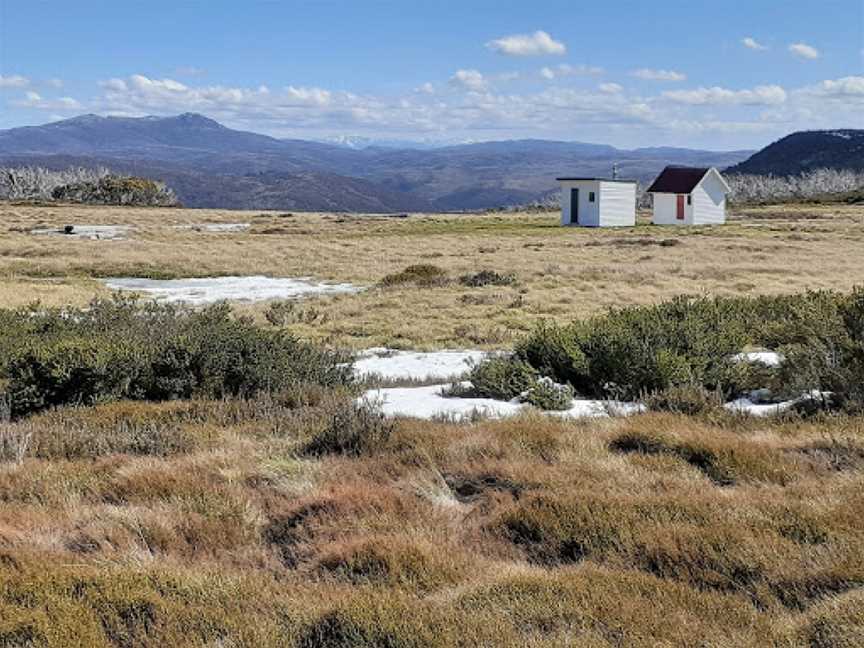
point(429, 402)
point(754, 407)
point(208, 290)
point(215, 227)
point(90, 232)
point(391, 364)
point(767, 358)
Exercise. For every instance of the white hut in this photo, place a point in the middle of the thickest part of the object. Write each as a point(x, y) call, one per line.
point(689, 196)
point(598, 202)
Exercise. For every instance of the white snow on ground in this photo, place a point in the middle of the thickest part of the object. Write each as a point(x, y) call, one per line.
point(767, 358)
point(208, 290)
point(428, 402)
point(215, 227)
point(754, 408)
point(395, 365)
point(92, 232)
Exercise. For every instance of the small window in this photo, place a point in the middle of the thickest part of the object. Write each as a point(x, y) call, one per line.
point(590, 196)
point(689, 199)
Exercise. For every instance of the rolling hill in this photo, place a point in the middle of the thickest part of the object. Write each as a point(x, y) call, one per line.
point(210, 165)
point(806, 151)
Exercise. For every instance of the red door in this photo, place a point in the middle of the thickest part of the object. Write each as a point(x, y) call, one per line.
point(680, 212)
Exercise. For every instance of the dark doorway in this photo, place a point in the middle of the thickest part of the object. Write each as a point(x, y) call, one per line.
point(574, 206)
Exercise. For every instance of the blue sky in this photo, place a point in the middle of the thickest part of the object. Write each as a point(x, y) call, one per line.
point(626, 73)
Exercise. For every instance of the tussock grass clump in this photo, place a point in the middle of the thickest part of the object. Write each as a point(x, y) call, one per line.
point(725, 461)
point(487, 278)
point(393, 562)
point(421, 274)
point(354, 428)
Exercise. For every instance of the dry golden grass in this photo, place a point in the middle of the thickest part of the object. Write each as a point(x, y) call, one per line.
point(250, 523)
point(530, 531)
point(562, 272)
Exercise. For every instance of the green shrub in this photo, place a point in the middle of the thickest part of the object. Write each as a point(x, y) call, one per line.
point(691, 341)
point(487, 278)
point(117, 190)
point(124, 349)
point(501, 377)
point(546, 394)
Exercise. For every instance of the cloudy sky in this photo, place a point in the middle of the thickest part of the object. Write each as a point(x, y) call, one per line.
point(678, 73)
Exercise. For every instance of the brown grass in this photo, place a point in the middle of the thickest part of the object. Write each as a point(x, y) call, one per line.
point(561, 272)
point(530, 531)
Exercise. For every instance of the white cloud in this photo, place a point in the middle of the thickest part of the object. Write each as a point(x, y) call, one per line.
point(14, 81)
point(537, 44)
point(649, 74)
point(751, 43)
point(566, 70)
point(768, 95)
point(471, 80)
point(802, 50)
point(608, 112)
point(426, 88)
point(851, 87)
point(35, 100)
point(611, 88)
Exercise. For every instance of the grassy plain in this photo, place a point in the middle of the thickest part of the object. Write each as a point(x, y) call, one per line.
point(562, 272)
point(229, 523)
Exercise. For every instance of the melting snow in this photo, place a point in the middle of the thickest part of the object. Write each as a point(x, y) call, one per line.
point(767, 358)
point(92, 232)
point(208, 290)
point(755, 408)
point(428, 402)
point(396, 365)
point(215, 227)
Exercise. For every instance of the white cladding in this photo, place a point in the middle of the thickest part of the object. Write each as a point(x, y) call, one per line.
point(598, 203)
point(705, 205)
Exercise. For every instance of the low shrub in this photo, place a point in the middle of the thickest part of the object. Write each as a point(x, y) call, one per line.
point(487, 278)
point(690, 342)
point(546, 394)
point(423, 274)
point(121, 348)
point(117, 190)
point(500, 377)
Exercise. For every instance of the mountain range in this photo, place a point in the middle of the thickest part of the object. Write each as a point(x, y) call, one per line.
point(210, 165)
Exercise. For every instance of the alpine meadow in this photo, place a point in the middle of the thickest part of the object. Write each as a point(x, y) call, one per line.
point(343, 324)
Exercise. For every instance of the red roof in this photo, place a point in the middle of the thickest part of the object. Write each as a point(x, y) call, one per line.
point(678, 180)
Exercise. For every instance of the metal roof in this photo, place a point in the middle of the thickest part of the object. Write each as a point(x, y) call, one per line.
point(678, 180)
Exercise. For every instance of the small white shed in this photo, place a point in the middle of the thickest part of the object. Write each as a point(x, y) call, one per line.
point(689, 196)
point(598, 202)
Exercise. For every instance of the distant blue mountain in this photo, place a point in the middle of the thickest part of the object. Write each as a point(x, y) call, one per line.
point(210, 165)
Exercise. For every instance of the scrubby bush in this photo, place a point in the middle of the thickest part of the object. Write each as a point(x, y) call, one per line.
point(117, 190)
point(690, 342)
point(500, 377)
point(546, 394)
point(487, 278)
point(121, 348)
point(422, 274)
point(96, 186)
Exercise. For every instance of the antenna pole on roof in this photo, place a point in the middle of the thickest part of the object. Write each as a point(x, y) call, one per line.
point(614, 170)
